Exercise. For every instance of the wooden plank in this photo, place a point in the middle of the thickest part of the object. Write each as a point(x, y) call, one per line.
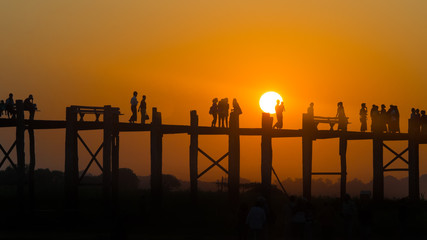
point(194, 146)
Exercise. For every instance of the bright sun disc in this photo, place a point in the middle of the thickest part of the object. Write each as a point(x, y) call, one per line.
point(267, 102)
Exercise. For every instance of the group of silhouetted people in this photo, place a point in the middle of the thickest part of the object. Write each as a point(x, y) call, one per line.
point(8, 107)
point(142, 108)
point(421, 119)
point(383, 120)
point(219, 111)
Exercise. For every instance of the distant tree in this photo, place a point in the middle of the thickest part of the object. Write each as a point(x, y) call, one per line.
point(170, 182)
point(128, 179)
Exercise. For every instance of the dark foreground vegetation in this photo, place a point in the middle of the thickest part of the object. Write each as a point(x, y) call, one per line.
point(211, 218)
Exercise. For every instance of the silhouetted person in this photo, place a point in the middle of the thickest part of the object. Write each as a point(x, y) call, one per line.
point(375, 117)
point(417, 113)
point(256, 220)
point(213, 110)
point(143, 109)
point(133, 104)
point(30, 106)
point(2, 107)
point(413, 115)
point(236, 107)
point(223, 108)
point(10, 106)
point(397, 116)
point(383, 118)
point(342, 119)
point(363, 118)
point(280, 108)
point(423, 122)
point(310, 110)
point(393, 119)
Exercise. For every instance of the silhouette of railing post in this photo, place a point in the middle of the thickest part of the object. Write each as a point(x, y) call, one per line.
point(106, 154)
point(194, 146)
point(115, 162)
point(71, 172)
point(413, 166)
point(343, 158)
point(307, 153)
point(266, 154)
point(378, 165)
point(234, 160)
point(156, 158)
point(20, 150)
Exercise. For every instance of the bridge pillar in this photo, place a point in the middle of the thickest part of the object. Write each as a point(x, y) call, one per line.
point(20, 151)
point(378, 167)
point(156, 158)
point(414, 172)
point(194, 146)
point(106, 154)
point(343, 158)
point(71, 172)
point(266, 154)
point(115, 162)
point(234, 160)
point(307, 153)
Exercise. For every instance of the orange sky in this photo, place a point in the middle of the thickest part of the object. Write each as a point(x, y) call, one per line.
point(181, 54)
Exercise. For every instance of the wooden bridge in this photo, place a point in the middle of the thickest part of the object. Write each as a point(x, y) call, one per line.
point(111, 127)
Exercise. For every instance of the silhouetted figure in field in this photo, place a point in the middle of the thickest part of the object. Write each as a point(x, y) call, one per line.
point(256, 221)
point(310, 110)
point(383, 118)
point(342, 118)
point(280, 108)
point(133, 105)
point(363, 118)
point(213, 110)
point(10, 106)
point(242, 214)
point(223, 108)
point(423, 122)
point(393, 119)
point(30, 106)
point(143, 109)
point(2, 107)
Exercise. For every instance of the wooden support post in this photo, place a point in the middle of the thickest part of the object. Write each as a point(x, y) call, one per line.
point(156, 158)
point(194, 146)
point(31, 169)
point(307, 153)
point(234, 160)
point(20, 151)
point(71, 171)
point(266, 154)
point(343, 158)
point(413, 166)
point(378, 167)
point(106, 165)
point(115, 163)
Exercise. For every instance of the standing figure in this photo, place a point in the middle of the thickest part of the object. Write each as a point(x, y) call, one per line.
point(363, 118)
point(375, 117)
point(397, 119)
point(423, 121)
point(342, 119)
point(310, 110)
point(279, 114)
point(2, 107)
point(226, 108)
point(10, 106)
point(30, 106)
point(143, 109)
point(221, 107)
point(236, 107)
point(213, 110)
point(133, 104)
point(383, 118)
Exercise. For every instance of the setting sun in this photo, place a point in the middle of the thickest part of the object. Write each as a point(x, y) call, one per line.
point(268, 100)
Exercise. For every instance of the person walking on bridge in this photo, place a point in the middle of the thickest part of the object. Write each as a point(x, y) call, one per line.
point(363, 118)
point(342, 119)
point(143, 109)
point(133, 104)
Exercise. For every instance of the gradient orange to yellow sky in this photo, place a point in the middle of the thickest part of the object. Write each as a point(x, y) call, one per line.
point(181, 54)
